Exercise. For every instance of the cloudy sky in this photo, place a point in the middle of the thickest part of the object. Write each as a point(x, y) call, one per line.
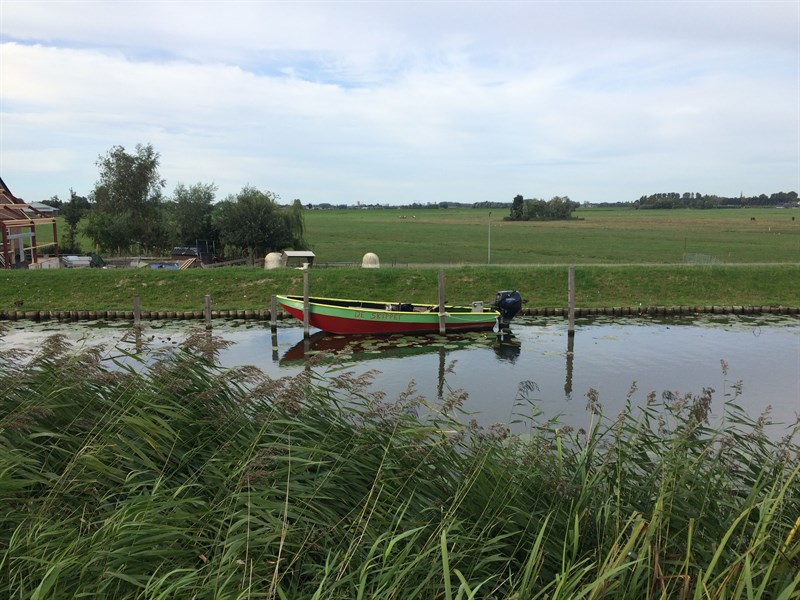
point(399, 102)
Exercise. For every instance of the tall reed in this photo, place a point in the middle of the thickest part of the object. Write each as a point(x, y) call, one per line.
point(173, 478)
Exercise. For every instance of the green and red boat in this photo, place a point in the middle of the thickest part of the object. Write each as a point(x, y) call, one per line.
point(341, 316)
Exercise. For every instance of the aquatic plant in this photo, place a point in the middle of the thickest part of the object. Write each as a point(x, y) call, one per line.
point(122, 478)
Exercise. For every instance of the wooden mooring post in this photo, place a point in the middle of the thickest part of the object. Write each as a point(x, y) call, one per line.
point(306, 305)
point(137, 311)
point(273, 326)
point(273, 314)
point(442, 313)
point(571, 301)
point(207, 311)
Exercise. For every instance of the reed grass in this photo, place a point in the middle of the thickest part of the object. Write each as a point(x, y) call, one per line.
point(122, 477)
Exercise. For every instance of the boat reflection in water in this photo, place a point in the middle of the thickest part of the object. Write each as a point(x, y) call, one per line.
point(357, 348)
point(326, 348)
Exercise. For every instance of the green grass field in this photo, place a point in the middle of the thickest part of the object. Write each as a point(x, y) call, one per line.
point(596, 236)
point(624, 258)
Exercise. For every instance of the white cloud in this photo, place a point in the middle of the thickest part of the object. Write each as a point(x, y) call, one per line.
point(383, 101)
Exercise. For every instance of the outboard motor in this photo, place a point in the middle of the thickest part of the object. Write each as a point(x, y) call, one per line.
point(508, 303)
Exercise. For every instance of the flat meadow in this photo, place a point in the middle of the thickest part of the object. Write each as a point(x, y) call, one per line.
point(625, 257)
point(594, 236)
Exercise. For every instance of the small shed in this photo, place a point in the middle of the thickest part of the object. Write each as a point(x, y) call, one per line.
point(298, 258)
point(18, 223)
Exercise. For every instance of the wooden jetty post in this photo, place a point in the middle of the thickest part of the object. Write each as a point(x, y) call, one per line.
point(207, 311)
point(442, 313)
point(571, 301)
point(306, 304)
point(273, 327)
point(137, 311)
point(273, 314)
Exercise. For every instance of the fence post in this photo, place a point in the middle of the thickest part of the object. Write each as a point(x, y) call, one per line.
point(207, 311)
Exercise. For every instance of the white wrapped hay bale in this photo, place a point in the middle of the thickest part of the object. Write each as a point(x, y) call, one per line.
point(370, 261)
point(273, 260)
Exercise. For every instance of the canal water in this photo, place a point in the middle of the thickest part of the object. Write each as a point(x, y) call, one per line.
point(537, 366)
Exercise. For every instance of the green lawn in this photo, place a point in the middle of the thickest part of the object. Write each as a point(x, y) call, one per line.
point(625, 258)
point(596, 236)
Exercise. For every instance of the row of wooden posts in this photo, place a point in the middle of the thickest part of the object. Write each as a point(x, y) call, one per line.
point(570, 312)
point(273, 314)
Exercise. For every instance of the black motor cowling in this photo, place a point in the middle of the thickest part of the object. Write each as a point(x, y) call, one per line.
point(508, 303)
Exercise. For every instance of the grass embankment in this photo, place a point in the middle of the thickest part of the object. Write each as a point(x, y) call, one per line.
point(250, 288)
point(188, 482)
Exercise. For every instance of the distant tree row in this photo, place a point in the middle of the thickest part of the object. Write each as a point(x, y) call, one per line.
point(697, 200)
point(557, 208)
point(127, 212)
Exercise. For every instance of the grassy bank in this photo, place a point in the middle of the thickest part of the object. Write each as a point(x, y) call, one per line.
point(190, 482)
point(251, 288)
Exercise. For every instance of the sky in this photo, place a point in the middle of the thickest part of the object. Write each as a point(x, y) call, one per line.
point(409, 101)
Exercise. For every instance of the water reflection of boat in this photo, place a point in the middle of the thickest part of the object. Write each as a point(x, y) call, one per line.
point(367, 347)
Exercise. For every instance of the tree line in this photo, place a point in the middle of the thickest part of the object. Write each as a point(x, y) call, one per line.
point(127, 212)
point(697, 200)
point(535, 209)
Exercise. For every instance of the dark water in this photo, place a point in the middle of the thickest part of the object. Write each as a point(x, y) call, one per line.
point(538, 362)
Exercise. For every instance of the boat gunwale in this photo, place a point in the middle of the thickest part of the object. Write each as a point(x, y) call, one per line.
point(381, 306)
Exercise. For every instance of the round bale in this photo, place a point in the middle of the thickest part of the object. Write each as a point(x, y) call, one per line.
point(370, 261)
point(273, 260)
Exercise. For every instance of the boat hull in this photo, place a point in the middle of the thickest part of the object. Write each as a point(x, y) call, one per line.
point(367, 318)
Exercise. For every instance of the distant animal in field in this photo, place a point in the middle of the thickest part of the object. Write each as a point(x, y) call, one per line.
point(752, 218)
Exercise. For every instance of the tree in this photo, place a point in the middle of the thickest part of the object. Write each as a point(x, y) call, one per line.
point(127, 201)
point(517, 208)
point(193, 207)
point(535, 210)
point(73, 211)
point(253, 222)
point(560, 207)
